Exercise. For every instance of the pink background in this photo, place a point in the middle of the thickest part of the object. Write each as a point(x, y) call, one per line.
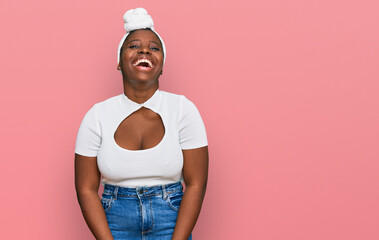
point(288, 91)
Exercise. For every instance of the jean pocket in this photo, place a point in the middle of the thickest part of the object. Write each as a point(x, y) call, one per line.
point(174, 199)
point(107, 201)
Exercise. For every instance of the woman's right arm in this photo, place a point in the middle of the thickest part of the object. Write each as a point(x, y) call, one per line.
point(87, 181)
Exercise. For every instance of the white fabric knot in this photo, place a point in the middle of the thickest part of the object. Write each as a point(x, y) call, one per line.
point(137, 19)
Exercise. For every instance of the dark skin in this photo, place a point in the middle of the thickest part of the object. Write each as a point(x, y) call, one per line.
point(145, 130)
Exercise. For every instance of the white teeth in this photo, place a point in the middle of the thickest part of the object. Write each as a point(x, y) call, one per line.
point(143, 60)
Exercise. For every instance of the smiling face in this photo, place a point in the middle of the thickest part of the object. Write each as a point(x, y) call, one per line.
point(141, 56)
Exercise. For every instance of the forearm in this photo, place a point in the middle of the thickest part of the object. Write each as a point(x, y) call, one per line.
point(188, 212)
point(94, 215)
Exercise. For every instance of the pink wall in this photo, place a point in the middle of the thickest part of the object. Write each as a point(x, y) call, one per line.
point(288, 91)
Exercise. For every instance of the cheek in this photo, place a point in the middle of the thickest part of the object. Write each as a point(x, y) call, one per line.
point(160, 57)
point(126, 56)
point(160, 64)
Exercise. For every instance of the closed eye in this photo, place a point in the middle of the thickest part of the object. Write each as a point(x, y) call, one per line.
point(133, 46)
point(154, 48)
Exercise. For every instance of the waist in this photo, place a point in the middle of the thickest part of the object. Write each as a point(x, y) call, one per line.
point(163, 189)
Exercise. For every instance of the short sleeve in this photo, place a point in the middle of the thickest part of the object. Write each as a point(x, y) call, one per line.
point(88, 139)
point(192, 133)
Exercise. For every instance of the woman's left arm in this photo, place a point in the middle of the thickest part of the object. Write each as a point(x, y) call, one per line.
point(195, 176)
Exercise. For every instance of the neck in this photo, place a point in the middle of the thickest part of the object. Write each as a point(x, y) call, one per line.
point(140, 93)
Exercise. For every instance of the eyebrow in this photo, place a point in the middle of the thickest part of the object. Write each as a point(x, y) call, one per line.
point(140, 40)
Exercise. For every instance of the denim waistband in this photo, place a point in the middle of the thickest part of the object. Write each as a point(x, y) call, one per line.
point(143, 190)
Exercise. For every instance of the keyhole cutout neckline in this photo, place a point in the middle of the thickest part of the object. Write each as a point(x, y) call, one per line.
point(152, 104)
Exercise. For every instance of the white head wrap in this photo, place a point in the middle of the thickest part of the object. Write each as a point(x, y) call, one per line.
point(138, 19)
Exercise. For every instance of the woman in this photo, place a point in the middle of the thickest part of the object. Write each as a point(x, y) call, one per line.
point(144, 143)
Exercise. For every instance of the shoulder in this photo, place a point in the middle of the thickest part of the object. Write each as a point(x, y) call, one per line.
point(106, 104)
point(170, 97)
point(185, 109)
point(176, 99)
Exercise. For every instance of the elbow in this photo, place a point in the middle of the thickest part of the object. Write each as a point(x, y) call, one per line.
point(200, 187)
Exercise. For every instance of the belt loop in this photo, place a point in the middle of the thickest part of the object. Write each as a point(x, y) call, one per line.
point(164, 192)
point(115, 192)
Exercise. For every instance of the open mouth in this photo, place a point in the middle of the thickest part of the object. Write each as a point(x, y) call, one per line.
point(143, 63)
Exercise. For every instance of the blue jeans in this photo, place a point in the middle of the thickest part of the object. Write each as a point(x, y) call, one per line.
point(144, 212)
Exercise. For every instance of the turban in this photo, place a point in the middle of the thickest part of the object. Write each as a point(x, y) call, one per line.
point(138, 19)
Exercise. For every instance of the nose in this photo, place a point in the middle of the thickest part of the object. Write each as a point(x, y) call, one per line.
point(145, 50)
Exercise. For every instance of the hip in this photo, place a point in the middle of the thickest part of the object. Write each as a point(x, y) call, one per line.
point(142, 212)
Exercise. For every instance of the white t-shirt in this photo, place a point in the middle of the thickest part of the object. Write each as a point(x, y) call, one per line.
point(161, 164)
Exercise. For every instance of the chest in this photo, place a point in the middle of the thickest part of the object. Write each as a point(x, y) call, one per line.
point(140, 130)
point(138, 142)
